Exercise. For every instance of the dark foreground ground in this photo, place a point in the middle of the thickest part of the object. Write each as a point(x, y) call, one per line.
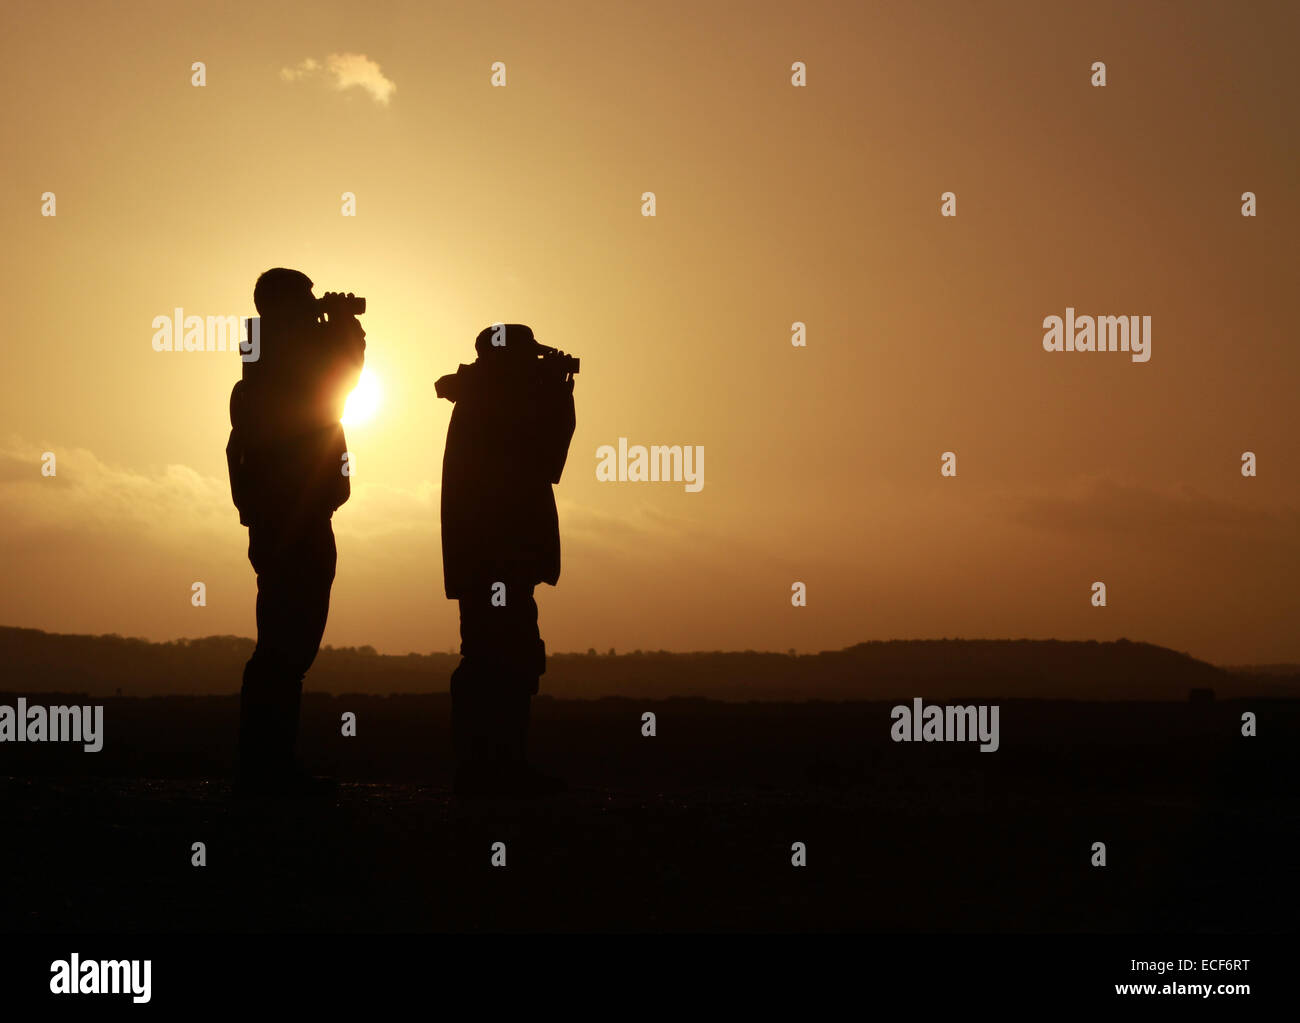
point(691, 829)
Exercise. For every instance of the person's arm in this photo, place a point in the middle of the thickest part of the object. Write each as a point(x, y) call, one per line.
point(343, 357)
point(559, 419)
point(237, 467)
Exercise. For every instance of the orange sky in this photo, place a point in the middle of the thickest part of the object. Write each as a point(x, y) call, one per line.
point(775, 204)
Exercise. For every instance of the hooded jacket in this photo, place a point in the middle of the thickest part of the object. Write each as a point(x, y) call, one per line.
point(507, 444)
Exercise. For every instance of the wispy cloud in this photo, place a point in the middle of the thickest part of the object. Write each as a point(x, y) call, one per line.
point(348, 70)
point(1103, 507)
point(307, 67)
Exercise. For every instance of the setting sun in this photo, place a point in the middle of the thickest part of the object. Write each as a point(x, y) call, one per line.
point(363, 402)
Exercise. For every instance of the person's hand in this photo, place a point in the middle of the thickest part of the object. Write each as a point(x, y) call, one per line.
point(325, 303)
point(346, 327)
point(568, 377)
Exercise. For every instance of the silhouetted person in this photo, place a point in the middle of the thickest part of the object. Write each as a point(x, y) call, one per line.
point(506, 445)
point(286, 458)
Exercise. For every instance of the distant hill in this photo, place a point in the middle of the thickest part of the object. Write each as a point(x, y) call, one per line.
point(36, 661)
point(1263, 669)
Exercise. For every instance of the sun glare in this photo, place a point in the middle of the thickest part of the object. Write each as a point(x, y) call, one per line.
point(363, 402)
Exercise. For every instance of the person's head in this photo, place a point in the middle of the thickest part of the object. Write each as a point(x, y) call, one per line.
point(284, 296)
point(508, 340)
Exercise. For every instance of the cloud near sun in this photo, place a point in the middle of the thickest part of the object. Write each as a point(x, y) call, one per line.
point(348, 70)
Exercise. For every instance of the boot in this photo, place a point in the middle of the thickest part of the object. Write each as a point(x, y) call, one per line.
point(521, 780)
point(476, 775)
point(268, 732)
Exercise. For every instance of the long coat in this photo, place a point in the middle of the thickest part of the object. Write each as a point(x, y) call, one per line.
point(506, 445)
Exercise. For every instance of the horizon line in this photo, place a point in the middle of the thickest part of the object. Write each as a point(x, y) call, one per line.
point(642, 651)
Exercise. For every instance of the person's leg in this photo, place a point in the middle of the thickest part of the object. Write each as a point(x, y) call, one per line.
point(470, 687)
point(295, 570)
point(523, 660)
point(492, 688)
point(257, 718)
point(313, 561)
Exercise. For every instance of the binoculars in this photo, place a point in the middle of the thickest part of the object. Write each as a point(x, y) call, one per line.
point(336, 304)
point(557, 361)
